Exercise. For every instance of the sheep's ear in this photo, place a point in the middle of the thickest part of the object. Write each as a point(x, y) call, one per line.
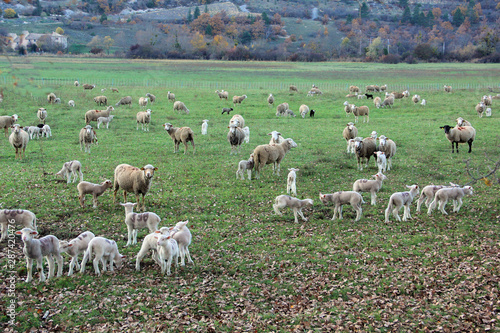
point(70, 245)
point(155, 237)
point(157, 232)
point(267, 133)
point(155, 169)
point(34, 233)
point(19, 233)
point(142, 168)
point(124, 257)
point(134, 204)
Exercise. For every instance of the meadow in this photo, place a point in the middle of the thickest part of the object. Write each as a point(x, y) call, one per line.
point(254, 270)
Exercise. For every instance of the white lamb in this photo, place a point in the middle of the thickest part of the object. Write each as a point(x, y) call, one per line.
point(454, 193)
point(104, 121)
point(46, 131)
point(341, 198)
point(370, 185)
point(428, 192)
point(74, 247)
point(291, 181)
point(149, 243)
point(400, 199)
point(245, 165)
point(381, 161)
point(180, 232)
point(168, 250)
point(295, 204)
point(204, 127)
point(136, 221)
point(104, 250)
point(71, 169)
point(275, 137)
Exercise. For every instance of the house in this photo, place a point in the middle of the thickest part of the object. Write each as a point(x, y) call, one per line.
point(26, 38)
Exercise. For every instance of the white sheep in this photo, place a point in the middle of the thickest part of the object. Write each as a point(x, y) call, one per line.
point(423, 103)
point(295, 204)
point(104, 250)
point(101, 100)
point(222, 94)
point(389, 147)
point(400, 199)
point(87, 137)
point(104, 121)
point(246, 130)
point(136, 221)
point(235, 136)
point(42, 115)
point(71, 169)
point(303, 110)
point(275, 137)
point(179, 106)
point(245, 165)
point(381, 161)
point(51, 98)
point(480, 108)
point(370, 185)
point(204, 127)
point(16, 216)
point(149, 243)
point(180, 134)
point(6, 122)
point(47, 247)
point(238, 120)
point(487, 113)
point(143, 118)
point(135, 180)
point(342, 198)
point(454, 193)
point(377, 101)
point(314, 91)
point(74, 247)
point(389, 100)
point(168, 250)
point(127, 100)
point(76, 83)
point(71, 103)
point(180, 232)
point(270, 100)
point(267, 154)
point(416, 99)
point(462, 122)
point(34, 132)
point(239, 99)
point(143, 101)
point(487, 100)
point(95, 189)
point(291, 181)
point(458, 135)
point(46, 131)
point(93, 115)
point(427, 194)
point(170, 96)
point(19, 140)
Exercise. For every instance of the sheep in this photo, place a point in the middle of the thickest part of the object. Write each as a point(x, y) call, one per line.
point(428, 193)
point(51, 98)
point(362, 111)
point(71, 169)
point(95, 189)
point(293, 88)
point(103, 89)
point(389, 100)
point(42, 115)
point(168, 250)
point(143, 118)
point(480, 107)
point(361, 96)
point(267, 154)
point(291, 181)
point(497, 96)
point(381, 161)
point(370, 185)
point(458, 135)
point(383, 87)
point(270, 100)
point(246, 130)
point(400, 199)
point(373, 87)
point(6, 122)
point(281, 108)
point(342, 198)
point(19, 140)
point(462, 122)
point(389, 147)
point(364, 150)
point(104, 249)
point(47, 247)
point(289, 113)
point(368, 96)
point(415, 99)
point(71, 103)
point(180, 232)
point(101, 100)
point(447, 89)
point(87, 137)
point(104, 121)
point(348, 108)
point(304, 110)
point(93, 115)
point(374, 135)
point(76, 83)
point(180, 134)
point(179, 106)
point(488, 112)
point(239, 99)
point(238, 120)
point(314, 91)
point(132, 179)
point(351, 95)
point(235, 136)
point(222, 94)
point(226, 110)
point(170, 96)
point(74, 247)
point(114, 90)
point(245, 165)
point(311, 113)
point(354, 89)
point(405, 93)
point(46, 131)
point(350, 132)
point(150, 243)
point(127, 100)
point(136, 221)
point(454, 193)
point(143, 101)
point(151, 97)
point(16, 216)
point(33, 131)
point(204, 127)
point(275, 137)
point(423, 103)
point(87, 86)
point(295, 204)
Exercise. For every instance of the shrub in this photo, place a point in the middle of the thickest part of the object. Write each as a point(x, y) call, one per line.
point(96, 50)
point(9, 13)
point(390, 59)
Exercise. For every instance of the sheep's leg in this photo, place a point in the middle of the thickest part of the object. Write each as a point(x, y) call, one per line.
point(4, 229)
point(459, 204)
point(188, 255)
point(134, 235)
point(124, 195)
point(169, 264)
point(185, 147)
point(276, 208)
point(340, 212)
point(359, 211)
point(335, 209)
point(140, 255)
point(278, 166)
point(470, 145)
point(39, 267)
point(82, 199)
point(96, 265)
point(249, 172)
point(59, 261)
point(294, 189)
point(73, 262)
point(395, 213)
point(111, 264)
point(81, 176)
point(406, 212)
point(29, 268)
point(301, 215)
point(94, 200)
point(442, 204)
point(130, 232)
point(295, 211)
point(374, 198)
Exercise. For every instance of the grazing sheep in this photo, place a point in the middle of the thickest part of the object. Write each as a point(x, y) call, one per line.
point(381, 161)
point(95, 189)
point(304, 110)
point(458, 135)
point(34, 131)
point(389, 100)
point(57, 100)
point(180, 232)
point(361, 96)
point(42, 115)
point(275, 137)
point(71, 103)
point(204, 127)
point(428, 193)
point(135, 180)
point(180, 134)
point(74, 247)
point(150, 243)
point(101, 100)
point(373, 87)
point(295, 204)
point(19, 140)
point(71, 169)
point(222, 94)
point(342, 198)
point(350, 132)
point(18, 216)
point(314, 91)
point(364, 150)
point(270, 100)
point(76, 83)
point(143, 101)
point(370, 185)
point(136, 221)
point(51, 98)
point(281, 109)
point(114, 90)
point(143, 118)
point(179, 106)
point(354, 89)
point(238, 120)
point(400, 199)
point(235, 136)
point(351, 95)
point(423, 103)
point(480, 108)
point(289, 113)
point(397, 94)
point(87, 86)
point(462, 122)
point(487, 100)
point(93, 115)
point(454, 193)
point(267, 154)
point(387, 146)
point(87, 137)
point(447, 89)
point(6, 122)
point(124, 101)
point(311, 113)
point(47, 247)
point(226, 110)
point(103, 89)
point(46, 131)
point(104, 120)
point(415, 99)
point(348, 108)
point(170, 97)
point(291, 181)
point(151, 97)
point(104, 250)
point(293, 88)
point(377, 101)
point(168, 250)
point(239, 99)
point(245, 165)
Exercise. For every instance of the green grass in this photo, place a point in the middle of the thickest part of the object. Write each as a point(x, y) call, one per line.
point(253, 269)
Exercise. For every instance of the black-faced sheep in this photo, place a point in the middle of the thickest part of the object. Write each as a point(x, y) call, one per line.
point(267, 154)
point(458, 135)
point(135, 180)
point(180, 134)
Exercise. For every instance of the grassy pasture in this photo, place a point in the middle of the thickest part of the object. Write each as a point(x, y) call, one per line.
point(254, 270)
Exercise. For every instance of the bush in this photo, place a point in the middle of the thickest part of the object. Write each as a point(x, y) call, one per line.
point(390, 59)
point(96, 50)
point(9, 13)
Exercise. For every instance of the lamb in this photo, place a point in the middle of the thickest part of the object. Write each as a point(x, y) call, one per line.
point(42, 115)
point(114, 90)
point(95, 189)
point(454, 193)
point(361, 96)
point(136, 221)
point(270, 100)
point(350, 132)
point(57, 100)
point(47, 247)
point(447, 89)
point(400, 199)
point(93, 115)
point(179, 106)
point(289, 113)
point(370, 185)
point(423, 103)
point(143, 101)
point(101, 100)
point(151, 97)
point(275, 137)
point(51, 98)
point(76, 83)
point(87, 137)
point(368, 96)
point(237, 120)
point(239, 99)
point(304, 110)
point(71, 103)
point(291, 181)
point(71, 169)
point(351, 95)
point(6, 122)
point(295, 204)
point(458, 135)
point(354, 89)
point(415, 99)
point(428, 193)
point(293, 88)
point(150, 243)
point(488, 112)
point(267, 154)
point(348, 108)
point(364, 150)
point(480, 107)
point(87, 86)
point(104, 121)
point(246, 130)
point(18, 216)
point(235, 136)
point(34, 131)
point(104, 249)
point(462, 122)
point(387, 146)
point(281, 108)
point(74, 247)
point(124, 101)
point(342, 198)
point(46, 131)
point(226, 110)
point(180, 134)
point(19, 140)
point(222, 94)
point(180, 232)
point(132, 179)
point(168, 250)
point(311, 113)
point(143, 118)
point(204, 127)
point(245, 165)
point(170, 97)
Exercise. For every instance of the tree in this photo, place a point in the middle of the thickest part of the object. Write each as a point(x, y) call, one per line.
point(364, 10)
point(189, 17)
point(458, 17)
point(198, 41)
point(60, 31)
point(265, 18)
point(96, 42)
point(108, 43)
point(375, 49)
point(436, 12)
point(9, 13)
point(196, 13)
point(424, 51)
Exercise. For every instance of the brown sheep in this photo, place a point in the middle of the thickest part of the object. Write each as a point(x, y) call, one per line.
point(180, 134)
point(135, 180)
